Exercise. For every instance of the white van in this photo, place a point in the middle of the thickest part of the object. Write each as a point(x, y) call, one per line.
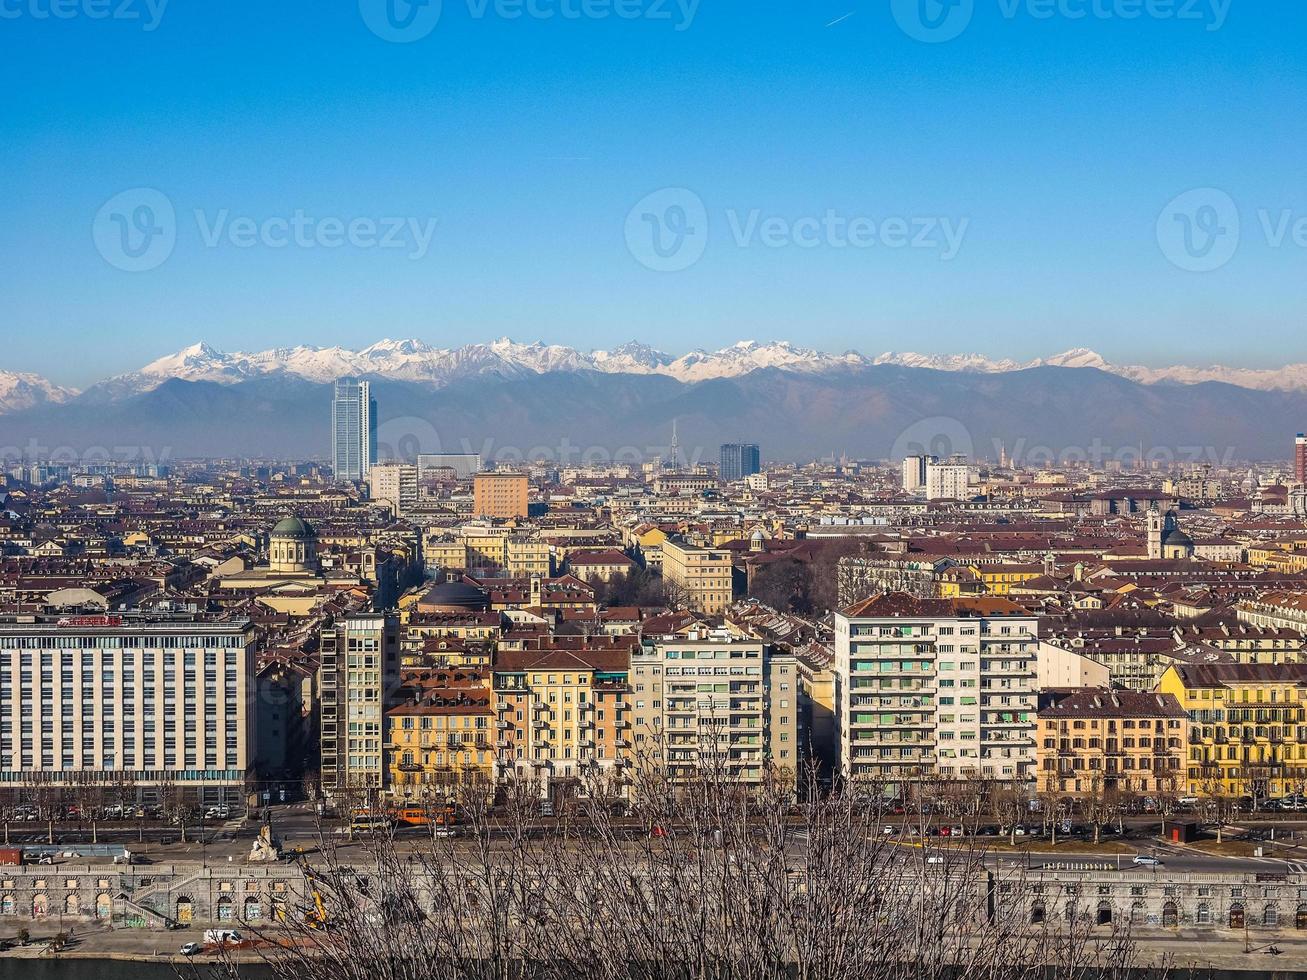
point(220, 937)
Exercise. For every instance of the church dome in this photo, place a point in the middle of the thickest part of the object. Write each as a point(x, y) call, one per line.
point(292, 527)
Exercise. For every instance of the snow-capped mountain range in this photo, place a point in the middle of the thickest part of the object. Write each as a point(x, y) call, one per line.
point(21, 391)
point(419, 362)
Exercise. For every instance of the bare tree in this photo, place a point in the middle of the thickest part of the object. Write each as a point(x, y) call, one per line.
point(88, 792)
point(175, 806)
point(707, 877)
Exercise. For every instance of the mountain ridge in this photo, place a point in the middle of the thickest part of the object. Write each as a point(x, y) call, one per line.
point(416, 361)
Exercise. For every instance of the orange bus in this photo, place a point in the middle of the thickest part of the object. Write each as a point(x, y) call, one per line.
point(421, 816)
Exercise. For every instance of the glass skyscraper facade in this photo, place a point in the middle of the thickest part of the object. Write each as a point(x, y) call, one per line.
point(353, 430)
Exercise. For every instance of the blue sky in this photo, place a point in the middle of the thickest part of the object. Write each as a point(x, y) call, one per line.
point(1053, 141)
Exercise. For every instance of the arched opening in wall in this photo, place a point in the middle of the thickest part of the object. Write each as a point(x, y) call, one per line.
point(72, 904)
point(1236, 916)
point(40, 907)
point(1271, 917)
point(1204, 914)
point(1170, 915)
point(103, 907)
point(225, 909)
point(185, 910)
point(1037, 914)
point(1104, 914)
point(1300, 919)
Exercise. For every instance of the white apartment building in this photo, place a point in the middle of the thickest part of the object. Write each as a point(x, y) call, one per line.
point(944, 687)
point(718, 701)
point(128, 701)
point(947, 480)
point(914, 472)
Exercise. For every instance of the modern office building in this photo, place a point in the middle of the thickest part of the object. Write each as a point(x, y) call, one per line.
point(128, 702)
point(929, 688)
point(353, 430)
point(359, 673)
point(463, 465)
point(739, 460)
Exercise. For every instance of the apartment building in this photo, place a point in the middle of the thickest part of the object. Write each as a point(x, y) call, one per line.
point(441, 732)
point(563, 714)
point(501, 495)
point(139, 700)
point(360, 664)
point(1097, 740)
point(395, 484)
point(944, 687)
point(714, 701)
point(947, 480)
point(702, 575)
point(1247, 726)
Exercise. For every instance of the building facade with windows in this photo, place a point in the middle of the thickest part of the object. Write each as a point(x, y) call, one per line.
point(1247, 727)
point(935, 688)
point(739, 460)
point(357, 678)
point(703, 576)
point(718, 703)
point(353, 430)
point(1098, 741)
point(139, 703)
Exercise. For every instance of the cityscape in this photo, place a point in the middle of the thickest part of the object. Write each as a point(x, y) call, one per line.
point(653, 490)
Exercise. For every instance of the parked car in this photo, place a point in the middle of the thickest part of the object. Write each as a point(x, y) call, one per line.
point(220, 812)
point(192, 949)
point(1145, 860)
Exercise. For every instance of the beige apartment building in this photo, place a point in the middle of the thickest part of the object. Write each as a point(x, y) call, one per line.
point(718, 702)
point(360, 665)
point(395, 484)
point(500, 495)
point(122, 701)
point(704, 574)
point(1098, 740)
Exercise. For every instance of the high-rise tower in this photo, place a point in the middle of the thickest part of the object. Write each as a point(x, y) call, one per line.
point(353, 430)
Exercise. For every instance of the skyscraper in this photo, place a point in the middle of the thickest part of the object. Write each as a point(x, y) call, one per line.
point(1300, 458)
point(353, 430)
point(739, 460)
